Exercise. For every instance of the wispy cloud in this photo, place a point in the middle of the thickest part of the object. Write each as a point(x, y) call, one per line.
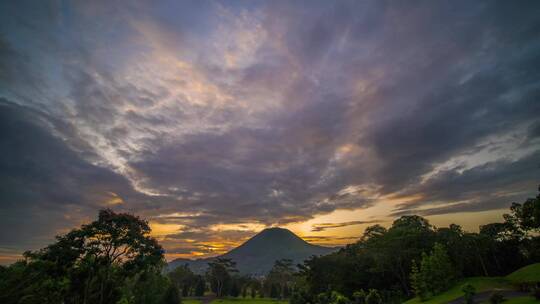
point(204, 114)
point(326, 226)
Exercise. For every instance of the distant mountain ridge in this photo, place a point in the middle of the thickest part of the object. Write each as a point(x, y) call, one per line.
point(257, 255)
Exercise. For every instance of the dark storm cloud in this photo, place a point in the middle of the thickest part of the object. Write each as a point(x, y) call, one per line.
point(203, 113)
point(490, 186)
point(44, 186)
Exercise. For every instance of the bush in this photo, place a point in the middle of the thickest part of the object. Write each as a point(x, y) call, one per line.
point(536, 293)
point(333, 297)
point(359, 297)
point(469, 291)
point(301, 296)
point(373, 297)
point(339, 299)
point(496, 298)
point(171, 295)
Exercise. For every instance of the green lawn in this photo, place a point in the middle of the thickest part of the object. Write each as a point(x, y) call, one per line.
point(480, 283)
point(190, 301)
point(527, 274)
point(248, 301)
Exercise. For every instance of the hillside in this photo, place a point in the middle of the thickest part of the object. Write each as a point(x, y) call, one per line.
point(527, 274)
point(257, 255)
point(480, 284)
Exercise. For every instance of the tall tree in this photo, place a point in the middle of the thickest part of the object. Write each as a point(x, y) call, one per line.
point(184, 279)
point(435, 273)
point(281, 275)
point(219, 273)
point(97, 258)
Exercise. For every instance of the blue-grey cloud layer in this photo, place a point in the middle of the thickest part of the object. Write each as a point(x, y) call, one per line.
point(203, 113)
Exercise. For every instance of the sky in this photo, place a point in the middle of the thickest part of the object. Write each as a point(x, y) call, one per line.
point(216, 119)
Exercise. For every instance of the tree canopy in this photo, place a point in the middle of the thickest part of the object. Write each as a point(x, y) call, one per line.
point(92, 264)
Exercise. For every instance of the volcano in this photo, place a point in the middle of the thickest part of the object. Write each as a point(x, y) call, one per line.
point(257, 255)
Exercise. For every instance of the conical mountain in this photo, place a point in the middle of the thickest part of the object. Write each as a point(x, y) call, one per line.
point(257, 255)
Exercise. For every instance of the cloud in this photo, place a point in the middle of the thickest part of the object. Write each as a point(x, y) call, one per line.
point(326, 226)
point(205, 114)
point(493, 185)
point(46, 188)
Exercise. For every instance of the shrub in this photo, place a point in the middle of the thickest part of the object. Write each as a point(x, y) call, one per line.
point(359, 297)
point(373, 297)
point(469, 291)
point(299, 297)
point(171, 296)
point(338, 298)
point(496, 298)
point(536, 293)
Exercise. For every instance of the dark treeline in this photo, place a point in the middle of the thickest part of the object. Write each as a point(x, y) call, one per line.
point(277, 284)
point(114, 260)
point(224, 280)
point(413, 257)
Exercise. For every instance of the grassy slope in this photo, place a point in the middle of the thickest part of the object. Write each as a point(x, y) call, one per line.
point(527, 274)
point(480, 283)
point(522, 300)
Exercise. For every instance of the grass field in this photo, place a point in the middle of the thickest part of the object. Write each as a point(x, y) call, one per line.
point(527, 274)
point(480, 283)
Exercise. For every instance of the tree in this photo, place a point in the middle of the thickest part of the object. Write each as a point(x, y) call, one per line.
point(525, 217)
point(435, 274)
point(244, 291)
point(149, 287)
point(394, 251)
point(254, 286)
point(35, 282)
point(418, 283)
point(171, 296)
point(373, 232)
point(183, 279)
point(200, 286)
point(219, 273)
point(281, 275)
point(90, 264)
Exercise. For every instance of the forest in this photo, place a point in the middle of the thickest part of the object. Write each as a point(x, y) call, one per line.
point(115, 260)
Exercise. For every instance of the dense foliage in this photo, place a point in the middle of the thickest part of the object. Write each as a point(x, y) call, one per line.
point(412, 257)
point(187, 282)
point(110, 260)
point(434, 275)
point(224, 280)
